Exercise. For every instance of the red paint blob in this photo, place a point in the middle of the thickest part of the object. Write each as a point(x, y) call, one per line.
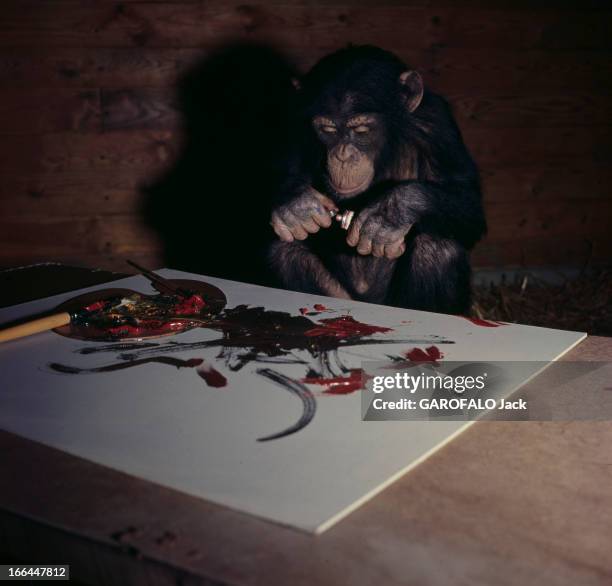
point(431, 354)
point(338, 385)
point(96, 306)
point(191, 305)
point(212, 376)
point(344, 327)
point(303, 310)
point(319, 307)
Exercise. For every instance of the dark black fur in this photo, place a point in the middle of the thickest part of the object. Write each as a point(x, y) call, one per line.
point(425, 180)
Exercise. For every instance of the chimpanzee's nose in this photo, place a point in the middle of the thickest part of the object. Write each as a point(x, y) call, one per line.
point(345, 153)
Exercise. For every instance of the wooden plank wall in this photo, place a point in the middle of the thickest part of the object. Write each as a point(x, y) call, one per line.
point(88, 114)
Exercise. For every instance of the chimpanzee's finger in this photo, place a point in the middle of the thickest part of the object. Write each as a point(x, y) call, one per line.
point(323, 219)
point(283, 233)
point(286, 216)
point(294, 225)
point(327, 203)
point(395, 249)
point(298, 232)
point(352, 237)
point(281, 230)
point(378, 249)
point(310, 226)
point(365, 246)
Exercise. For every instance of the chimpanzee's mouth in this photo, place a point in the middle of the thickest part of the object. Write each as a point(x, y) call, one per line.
point(353, 190)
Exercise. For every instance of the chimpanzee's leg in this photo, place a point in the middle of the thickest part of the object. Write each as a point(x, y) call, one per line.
point(298, 268)
point(433, 275)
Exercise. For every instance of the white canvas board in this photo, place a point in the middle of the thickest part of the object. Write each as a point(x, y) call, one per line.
point(164, 424)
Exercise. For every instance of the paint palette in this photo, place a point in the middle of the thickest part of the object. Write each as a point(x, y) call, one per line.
point(258, 408)
point(125, 314)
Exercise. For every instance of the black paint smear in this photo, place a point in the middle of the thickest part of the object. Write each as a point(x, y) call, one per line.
point(254, 334)
point(309, 403)
point(116, 347)
point(178, 362)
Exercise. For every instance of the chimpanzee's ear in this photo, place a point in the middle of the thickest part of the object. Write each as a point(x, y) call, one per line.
point(412, 84)
point(297, 84)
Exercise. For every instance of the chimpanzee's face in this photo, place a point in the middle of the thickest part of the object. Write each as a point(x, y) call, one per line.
point(353, 143)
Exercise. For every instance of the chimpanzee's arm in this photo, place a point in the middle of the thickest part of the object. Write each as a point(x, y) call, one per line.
point(451, 209)
point(446, 198)
point(448, 210)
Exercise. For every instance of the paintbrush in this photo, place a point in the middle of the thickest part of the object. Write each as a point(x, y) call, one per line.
point(42, 324)
point(57, 320)
point(158, 280)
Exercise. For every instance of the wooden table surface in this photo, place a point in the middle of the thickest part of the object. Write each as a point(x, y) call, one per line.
point(504, 503)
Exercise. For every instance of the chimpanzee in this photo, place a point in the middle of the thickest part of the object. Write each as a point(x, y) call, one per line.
point(370, 138)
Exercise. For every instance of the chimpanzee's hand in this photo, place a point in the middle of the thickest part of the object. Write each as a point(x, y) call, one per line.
point(303, 215)
point(380, 229)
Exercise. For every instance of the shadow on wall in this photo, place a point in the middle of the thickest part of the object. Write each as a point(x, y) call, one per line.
point(212, 209)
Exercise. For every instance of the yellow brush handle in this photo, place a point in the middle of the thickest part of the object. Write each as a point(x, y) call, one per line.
point(33, 327)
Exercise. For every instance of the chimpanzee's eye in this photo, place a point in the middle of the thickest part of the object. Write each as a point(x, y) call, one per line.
point(329, 129)
point(361, 129)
